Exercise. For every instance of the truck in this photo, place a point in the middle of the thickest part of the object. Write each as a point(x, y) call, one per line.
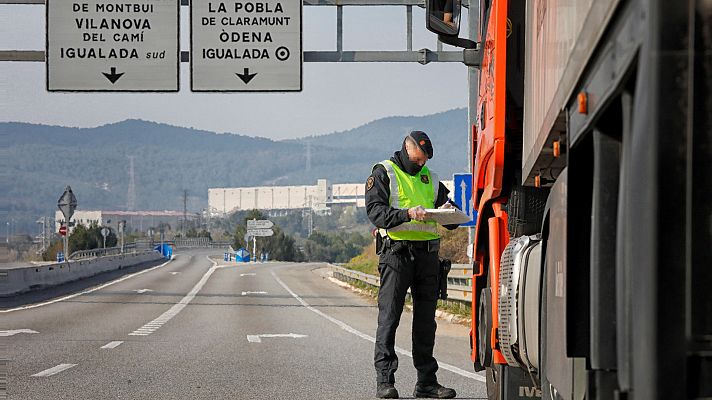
point(592, 178)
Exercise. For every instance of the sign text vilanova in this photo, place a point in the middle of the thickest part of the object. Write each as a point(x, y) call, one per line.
point(246, 46)
point(112, 45)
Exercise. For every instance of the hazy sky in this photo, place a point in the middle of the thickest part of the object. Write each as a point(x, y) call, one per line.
point(336, 96)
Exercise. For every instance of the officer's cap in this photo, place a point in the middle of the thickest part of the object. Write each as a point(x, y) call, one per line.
point(423, 141)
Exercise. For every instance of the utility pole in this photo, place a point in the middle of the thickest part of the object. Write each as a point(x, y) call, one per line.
point(43, 233)
point(185, 211)
point(131, 196)
point(310, 218)
point(308, 167)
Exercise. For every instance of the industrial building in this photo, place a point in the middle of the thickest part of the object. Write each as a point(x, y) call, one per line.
point(320, 197)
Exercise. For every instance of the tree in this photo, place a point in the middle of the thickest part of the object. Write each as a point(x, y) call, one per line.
point(83, 238)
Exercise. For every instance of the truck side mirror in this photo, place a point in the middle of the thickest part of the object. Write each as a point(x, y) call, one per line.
point(443, 17)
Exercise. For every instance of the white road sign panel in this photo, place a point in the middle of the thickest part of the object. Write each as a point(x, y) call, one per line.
point(246, 46)
point(260, 232)
point(112, 45)
point(259, 224)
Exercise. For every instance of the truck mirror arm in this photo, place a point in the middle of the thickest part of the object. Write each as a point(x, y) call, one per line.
point(471, 55)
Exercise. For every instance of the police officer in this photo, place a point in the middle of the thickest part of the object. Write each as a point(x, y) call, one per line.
point(397, 194)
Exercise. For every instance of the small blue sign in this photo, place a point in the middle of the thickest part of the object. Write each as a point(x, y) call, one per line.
point(60, 257)
point(463, 196)
point(242, 255)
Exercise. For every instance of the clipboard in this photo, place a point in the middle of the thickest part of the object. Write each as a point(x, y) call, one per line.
point(447, 216)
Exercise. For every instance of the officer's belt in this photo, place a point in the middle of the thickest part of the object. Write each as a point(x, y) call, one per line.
point(430, 246)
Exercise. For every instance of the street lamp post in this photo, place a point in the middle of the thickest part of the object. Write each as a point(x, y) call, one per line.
point(122, 226)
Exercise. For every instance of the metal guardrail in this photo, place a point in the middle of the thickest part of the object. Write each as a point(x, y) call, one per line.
point(101, 252)
point(197, 242)
point(140, 246)
point(459, 286)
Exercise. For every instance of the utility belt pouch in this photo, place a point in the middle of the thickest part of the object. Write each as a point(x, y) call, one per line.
point(379, 244)
point(433, 246)
point(445, 266)
point(383, 243)
point(397, 246)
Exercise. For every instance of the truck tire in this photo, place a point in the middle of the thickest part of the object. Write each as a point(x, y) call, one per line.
point(484, 328)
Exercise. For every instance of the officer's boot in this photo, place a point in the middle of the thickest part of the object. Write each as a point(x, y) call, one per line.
point(386, 391)
point(433, 391)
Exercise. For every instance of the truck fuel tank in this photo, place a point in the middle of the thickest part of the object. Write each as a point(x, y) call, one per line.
point(519, 292)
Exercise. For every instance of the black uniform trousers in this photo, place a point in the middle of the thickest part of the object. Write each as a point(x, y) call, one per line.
point(418, 269)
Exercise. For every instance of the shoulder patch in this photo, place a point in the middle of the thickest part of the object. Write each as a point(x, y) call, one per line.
point(424, 179)
point(369, 183)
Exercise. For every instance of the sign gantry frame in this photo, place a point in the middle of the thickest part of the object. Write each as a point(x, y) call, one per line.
point(422, 56)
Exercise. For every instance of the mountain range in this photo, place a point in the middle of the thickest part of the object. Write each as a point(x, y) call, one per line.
point(38, 161)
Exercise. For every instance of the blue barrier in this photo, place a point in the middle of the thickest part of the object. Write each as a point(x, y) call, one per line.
point(165, 249)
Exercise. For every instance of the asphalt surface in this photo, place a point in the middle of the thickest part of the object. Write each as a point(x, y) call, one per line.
point(190, 330)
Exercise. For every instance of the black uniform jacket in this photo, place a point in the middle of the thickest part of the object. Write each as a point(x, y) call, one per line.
point(379, 211)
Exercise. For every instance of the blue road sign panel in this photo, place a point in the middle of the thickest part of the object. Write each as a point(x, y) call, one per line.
point(463, 196)
point(242, 255)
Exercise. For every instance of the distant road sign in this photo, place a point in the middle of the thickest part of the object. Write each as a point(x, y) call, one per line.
point(259, 224)
point(104, 232)
point(260, 232)
point(112, 45)
point(463, 196)
point(67, 203)
point(63, 230)
point(241, 46)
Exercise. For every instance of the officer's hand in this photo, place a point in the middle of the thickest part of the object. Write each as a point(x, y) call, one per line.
point(446, 205)
point(417, 213)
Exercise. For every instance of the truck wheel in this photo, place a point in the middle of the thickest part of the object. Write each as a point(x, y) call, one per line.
point(484, 328)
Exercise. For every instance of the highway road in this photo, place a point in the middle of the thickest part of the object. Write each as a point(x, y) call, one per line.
point(193, 328)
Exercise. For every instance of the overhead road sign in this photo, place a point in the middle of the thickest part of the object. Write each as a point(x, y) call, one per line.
point(260, 232)
point(259, 224)
point(113, 45)
point(246, 46)
point(463, 196)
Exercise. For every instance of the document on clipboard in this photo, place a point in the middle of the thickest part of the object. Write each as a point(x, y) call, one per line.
point(447, 216)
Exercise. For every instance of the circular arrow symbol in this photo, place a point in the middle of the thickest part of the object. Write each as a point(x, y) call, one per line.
point(282, 53)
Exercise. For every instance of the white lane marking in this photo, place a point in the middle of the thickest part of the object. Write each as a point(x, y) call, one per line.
point(142, 291)
point(54, 370)
point(248, 274)
point(112, 345)
point(258, 338)
point(15, 332)
point(350, 329)
point(175, 273)
point(153, 326)
point(71, 296)
point(246, 293)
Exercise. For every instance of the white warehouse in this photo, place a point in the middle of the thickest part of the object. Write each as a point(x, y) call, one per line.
point(319, 197)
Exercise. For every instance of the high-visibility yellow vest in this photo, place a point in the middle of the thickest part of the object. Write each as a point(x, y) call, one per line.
point(410, 191)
